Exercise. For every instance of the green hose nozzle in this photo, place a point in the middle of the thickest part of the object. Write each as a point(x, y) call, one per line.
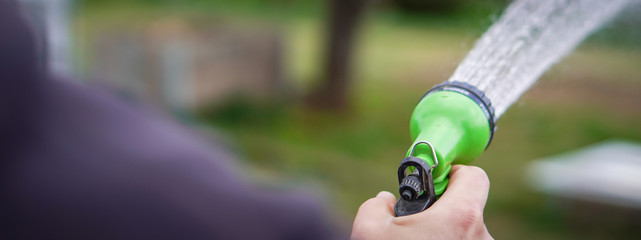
point(452, 124)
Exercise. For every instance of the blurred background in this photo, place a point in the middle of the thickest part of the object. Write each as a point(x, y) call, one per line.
point(320, 92)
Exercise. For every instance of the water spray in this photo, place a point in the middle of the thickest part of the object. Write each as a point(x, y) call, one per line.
point(455, 121)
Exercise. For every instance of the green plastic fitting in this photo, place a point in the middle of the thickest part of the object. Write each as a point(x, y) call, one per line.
point(456, 127)
point(452, 124)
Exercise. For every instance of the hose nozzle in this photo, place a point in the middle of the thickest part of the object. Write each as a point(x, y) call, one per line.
point(452, 124)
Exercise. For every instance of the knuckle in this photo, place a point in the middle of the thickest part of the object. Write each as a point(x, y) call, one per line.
point(366, 229)
point(364, 226)
point(478, 174)
point(469, 219)
point(369, 204)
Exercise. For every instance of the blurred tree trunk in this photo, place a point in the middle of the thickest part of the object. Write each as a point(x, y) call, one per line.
point(344, 19)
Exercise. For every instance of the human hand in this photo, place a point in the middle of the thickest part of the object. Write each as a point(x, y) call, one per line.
point(458, 214)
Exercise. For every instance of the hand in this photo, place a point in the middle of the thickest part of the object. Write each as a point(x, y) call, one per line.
point(458, 214)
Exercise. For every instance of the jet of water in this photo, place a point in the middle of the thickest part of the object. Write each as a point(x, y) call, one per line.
point(530, 36)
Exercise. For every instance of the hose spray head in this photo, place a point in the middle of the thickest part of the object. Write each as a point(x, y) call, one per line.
point(452, 124)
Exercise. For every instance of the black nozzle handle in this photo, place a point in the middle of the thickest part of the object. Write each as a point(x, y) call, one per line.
point(416, 189)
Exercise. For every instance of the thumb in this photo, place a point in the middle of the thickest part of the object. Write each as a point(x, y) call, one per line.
point(377, 208)
point(469, 186)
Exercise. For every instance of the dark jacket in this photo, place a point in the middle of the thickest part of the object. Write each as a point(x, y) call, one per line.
point(76, 163)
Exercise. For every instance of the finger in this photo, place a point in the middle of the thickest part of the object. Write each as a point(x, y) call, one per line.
point(377, 208)
point(387, 196)
point(468, 187)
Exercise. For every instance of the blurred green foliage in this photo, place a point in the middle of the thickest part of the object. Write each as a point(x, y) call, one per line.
point(461, 12)
point(593, 95)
